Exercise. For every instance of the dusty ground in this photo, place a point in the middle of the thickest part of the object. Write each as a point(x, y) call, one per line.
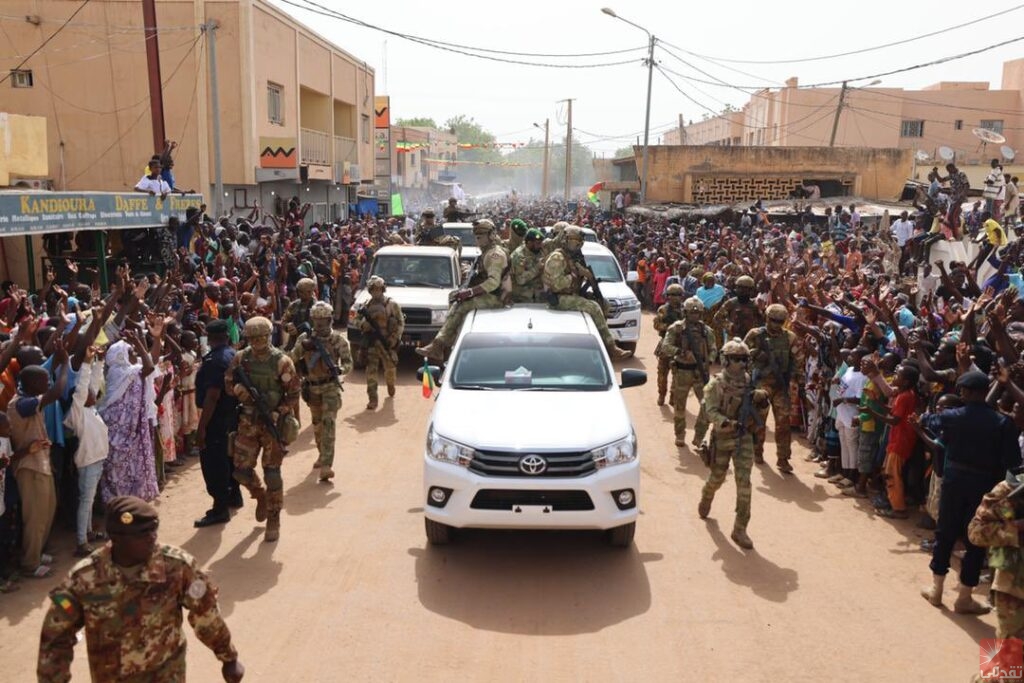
point(351, 592)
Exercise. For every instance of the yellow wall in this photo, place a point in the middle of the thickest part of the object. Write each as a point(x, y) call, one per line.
point(22, 147)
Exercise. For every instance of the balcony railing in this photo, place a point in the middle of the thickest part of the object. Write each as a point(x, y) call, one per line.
point(315, 147)
point(345, 149)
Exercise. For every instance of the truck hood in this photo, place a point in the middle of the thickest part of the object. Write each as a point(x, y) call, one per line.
point(616, 290)
point(410, 297)
point(531, 420)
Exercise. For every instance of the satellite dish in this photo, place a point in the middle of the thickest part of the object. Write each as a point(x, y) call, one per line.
point(946, 153)
point(1007, 152)
point(986, 135)
point(922, 155)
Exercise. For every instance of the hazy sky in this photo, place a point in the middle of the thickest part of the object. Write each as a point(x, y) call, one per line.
point(608, 111)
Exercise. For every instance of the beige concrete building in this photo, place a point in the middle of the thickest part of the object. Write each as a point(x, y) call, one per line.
point(296, 111)
point(23, 161)
point(417, 154)
point(940, 115)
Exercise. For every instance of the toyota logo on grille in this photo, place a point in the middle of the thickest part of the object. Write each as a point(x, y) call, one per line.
point(532, 464)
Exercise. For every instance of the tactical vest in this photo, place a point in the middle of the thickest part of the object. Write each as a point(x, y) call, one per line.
point(671, 315)
point(693, 338)
point(300, 312)
point(479, 274)
point(263, 373)
point(774, 357)
point(743, 317)
point(378, 313)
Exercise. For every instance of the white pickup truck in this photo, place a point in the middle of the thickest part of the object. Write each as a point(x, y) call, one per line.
point(419, 280)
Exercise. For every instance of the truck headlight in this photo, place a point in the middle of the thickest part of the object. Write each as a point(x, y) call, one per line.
point(438, 316)
point(629, 304)
point(617, 453)
point(446, 450)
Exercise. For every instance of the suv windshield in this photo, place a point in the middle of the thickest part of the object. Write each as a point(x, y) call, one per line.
point(605, 268)
point(465, 235)
point(414, 270)
point(538, 362)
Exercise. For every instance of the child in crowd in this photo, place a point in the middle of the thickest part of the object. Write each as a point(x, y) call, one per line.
point(93, 446)
point(902, 439)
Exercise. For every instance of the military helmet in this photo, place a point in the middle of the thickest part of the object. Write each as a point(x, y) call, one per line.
point(258, 326)
point(735, 347)
point(777, 313)
point(321, 310)
point(376, 281)
point(558, 228)
point(693, 305)
point(305, 285)
point(745, 281)
point(483, 226)
point(571, 232)
point(674, 289)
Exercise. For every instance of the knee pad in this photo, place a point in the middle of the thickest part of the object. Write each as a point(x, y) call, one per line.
point(244, 476)
point(272, 476)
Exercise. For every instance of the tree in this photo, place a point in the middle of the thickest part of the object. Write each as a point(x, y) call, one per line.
point(622, 152)
point(417, 122)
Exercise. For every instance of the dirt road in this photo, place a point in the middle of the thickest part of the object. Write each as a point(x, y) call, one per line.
point(351, 592)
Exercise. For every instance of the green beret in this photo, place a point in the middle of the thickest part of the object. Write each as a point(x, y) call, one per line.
point(130, 515)
point(518, 226)
point(534, 234)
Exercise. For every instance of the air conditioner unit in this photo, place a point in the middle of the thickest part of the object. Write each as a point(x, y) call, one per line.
point(31, 183)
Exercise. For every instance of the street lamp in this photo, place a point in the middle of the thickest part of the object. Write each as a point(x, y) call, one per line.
point(647, 116)
point(547, 153)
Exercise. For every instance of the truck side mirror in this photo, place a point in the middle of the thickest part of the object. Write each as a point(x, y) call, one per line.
point(631, 377)
point(435, 372)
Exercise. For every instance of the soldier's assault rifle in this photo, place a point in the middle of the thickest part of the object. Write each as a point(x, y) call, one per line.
point(260, 402)
point(324, 356)
point(376, 334)
point(590, 283)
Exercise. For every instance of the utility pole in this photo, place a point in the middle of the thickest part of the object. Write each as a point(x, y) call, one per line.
point(835, 121)
point(568, 152)
point(547, 157)
point(647, 117)
point(156, 93)
point(682, 131)
point(210, 28)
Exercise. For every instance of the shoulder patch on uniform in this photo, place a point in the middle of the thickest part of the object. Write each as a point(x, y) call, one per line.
point(65, 602)
point(197, 589)
point(177, 554)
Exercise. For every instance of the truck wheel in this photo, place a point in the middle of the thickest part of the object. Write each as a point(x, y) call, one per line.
point(437, 533)
point(621, 536)
point(628, 346)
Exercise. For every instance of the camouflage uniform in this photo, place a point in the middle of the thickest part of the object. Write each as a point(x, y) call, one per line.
point(320, 390)
point(527, 268)
point(667, 314)
point(273, 374)
point(995, 526)
point(297, 313)
point(132, 621)
point(777, 361)
point(737, 318)
point(380, 353)
point(723, 398)
point(690, 348)
point(486, 287)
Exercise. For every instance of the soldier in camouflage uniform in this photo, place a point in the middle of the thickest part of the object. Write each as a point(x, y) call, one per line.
point(430, 234)
point(731, 435)
point(517, 230)
point(487, 284)
point(297, 313)
point(668, 313)
point(273, 374)
point(563, 276)
point(998, 523)
point(381, 351)
point(740, 314)
point(128, 596)
point(556, 240)
point(320, 388)
point(527, 267)
point(690, 346)
point(777, 361)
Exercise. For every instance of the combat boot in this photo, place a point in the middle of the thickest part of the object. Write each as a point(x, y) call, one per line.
point(618, 354)
point(758, 458)
point(965, 604)
point(326, 473)
point(740, 538)
point(273, 531)
point(933, 593)
point(782, 464)
point(391, 391)
point(261, 505)
point(661, 398)
point(372, 405)
point(704, 509)
point(434, 351)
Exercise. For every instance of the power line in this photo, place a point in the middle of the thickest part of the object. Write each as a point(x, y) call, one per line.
point(836, 55)
point(462, 50)
point(43, 44)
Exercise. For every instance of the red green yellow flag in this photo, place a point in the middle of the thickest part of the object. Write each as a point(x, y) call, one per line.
point(428, 380)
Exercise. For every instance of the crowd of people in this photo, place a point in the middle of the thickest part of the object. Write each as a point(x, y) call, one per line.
point(903, 376)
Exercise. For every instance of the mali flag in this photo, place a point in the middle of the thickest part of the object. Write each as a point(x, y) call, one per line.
point(592, 192)
point(428, 380)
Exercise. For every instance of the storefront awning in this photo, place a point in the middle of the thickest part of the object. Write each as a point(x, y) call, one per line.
point(37, 212)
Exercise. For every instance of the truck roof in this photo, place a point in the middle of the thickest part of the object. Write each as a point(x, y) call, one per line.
point(530, 317)
point(414, 250)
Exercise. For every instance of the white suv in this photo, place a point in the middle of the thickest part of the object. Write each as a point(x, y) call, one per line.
point(623, 306)
point(529, 429)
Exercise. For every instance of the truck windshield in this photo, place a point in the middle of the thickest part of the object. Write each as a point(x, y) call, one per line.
point(605, 268)
point(537, 362)
point(465, 235)
point(414, 270)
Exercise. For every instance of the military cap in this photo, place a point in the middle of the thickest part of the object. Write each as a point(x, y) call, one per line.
point(534, 234)
point(258, 326)
point(427, 212)
point(974, 379)
point(131, 515)
point(518, 226)
point(217, 327)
